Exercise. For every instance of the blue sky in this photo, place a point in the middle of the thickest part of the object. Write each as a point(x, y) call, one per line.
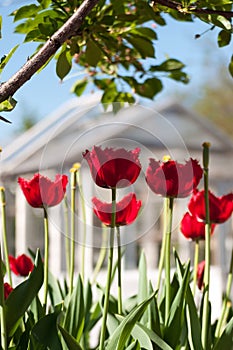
point(44, 92)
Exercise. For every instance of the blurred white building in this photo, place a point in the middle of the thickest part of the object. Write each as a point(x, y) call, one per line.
point(57, 141)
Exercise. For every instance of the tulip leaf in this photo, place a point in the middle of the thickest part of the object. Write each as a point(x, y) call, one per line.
point(71, 342)
point(45, 331)
point(134, 346)
point(22, 296)
point(118, 339)
point(155, 338)
point(75, 313)
point(143, 284)
point(153, 311)
point(225, 341)
point(173, 328)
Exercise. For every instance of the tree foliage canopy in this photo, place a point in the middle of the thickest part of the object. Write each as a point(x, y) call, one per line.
point(111, 41)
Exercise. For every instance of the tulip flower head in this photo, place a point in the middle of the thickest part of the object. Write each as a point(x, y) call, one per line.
point(112, 168)
point(22, 265)
point(126, 210)
point(220, 208)
point(192, 228)
point(41, 192)
point(173, 179)
point(7, 290)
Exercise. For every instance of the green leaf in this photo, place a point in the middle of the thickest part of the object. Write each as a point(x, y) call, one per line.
point(119, 337)
point(156, 339)
point(230, 67)
point(224, 38)
point(5, 59)
point(21, 297)
point(168, 65)
point(75, 313)
point(142, 45)
point(143, 284)
point(45, 331)
point(79, 87)
point(71, 342)
point(26, 12)
point(144, 340)
point(149, 88)
point(145, 32)
point(64, 64)
point(153, 311)
point(134, 346)
point(226, 339)
point(93, 53)
point(173, 328)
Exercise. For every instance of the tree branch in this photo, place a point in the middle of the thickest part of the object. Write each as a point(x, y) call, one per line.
point(192, 9)
point(25, 73)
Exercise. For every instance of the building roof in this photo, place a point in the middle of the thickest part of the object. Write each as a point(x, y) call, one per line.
point(59, 139)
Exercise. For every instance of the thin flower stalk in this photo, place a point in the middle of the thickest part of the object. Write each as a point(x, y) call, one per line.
point(2, 308)
point(102, 253)
point(195, 266)
point(162, 253)
point(4, 234)
point(205, 325)
point(109, 272)
point(220, 323)
point(46, 257)
point(119, 270)
point(73, 184)
point(169, 209)
point(84, 220)
point(67, 240)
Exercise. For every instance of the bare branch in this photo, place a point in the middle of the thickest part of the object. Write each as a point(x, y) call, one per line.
point(8, 88)
point(193, 9)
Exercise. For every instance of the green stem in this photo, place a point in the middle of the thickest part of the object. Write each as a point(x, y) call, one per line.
point(196, 259)
point(205, 324)
point(84, 225)
point(72, 244)
point(4, 234)
point(46, 257)
point(102, 254)
point(169, 209)
point(162, 253)
point(67, 238)
point(218, 330)
point(119, 271)
point(109, 272)
point(2, 308)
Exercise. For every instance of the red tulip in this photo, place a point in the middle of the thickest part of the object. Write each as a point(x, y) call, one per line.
point(172, 179)
point(41, 192)
point(126, 210)
point(200, 274)
point(21, 265)
point(7, 290)
point(193, 229)
point(111, 168)
point(220, 208)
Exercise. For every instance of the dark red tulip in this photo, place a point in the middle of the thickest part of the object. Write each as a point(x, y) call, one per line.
point(126, 210)
point(200, 274)
point(172, 179)
point(112, 168)
point(7, 290)
point(41, 192)
point(193, 229)
point(22, 265)
point(220, 208)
